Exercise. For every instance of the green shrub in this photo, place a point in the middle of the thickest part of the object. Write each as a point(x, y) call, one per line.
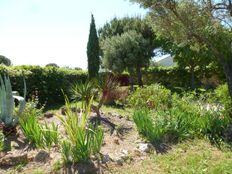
point(222, 95)
point(154, 97)
point(36, 133)
point(145, 126)
point(83, 139)
point(50, 134)
point(31, 129)
point(184, 120)
point(45, 82)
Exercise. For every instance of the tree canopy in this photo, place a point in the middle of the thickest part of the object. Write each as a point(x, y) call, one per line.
point(4, 60)
point(127, 43)
point(198, 23)
point(93, 51)
point(127, 51)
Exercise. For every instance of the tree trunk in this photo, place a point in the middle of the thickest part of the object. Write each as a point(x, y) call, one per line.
point(139, 76)
point(192, 77)
point(131, 81)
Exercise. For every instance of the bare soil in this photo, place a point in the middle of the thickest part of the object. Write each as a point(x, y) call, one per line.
point(123, 138)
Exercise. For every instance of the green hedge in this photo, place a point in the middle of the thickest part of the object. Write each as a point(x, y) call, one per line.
point(45, 82)
point(172, 77)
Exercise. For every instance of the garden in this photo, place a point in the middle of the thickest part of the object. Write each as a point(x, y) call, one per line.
point(127, 113)
point(103, 127)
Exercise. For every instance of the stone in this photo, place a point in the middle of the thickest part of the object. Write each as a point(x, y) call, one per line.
point(13, 159)
point(105, 158)
point(119, 161)
point(145, 147)
point(49, 114)
point(42, 156)
point(125, 152)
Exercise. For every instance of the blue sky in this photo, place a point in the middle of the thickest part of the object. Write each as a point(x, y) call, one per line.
point(39, 32)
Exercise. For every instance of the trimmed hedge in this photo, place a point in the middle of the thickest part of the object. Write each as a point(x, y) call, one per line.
point(45, 82)
point(48, 82)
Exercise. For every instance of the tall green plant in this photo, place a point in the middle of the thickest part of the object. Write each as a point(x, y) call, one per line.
point(82, 138)
point(36, 133)
point(84, 91)
point(7, 106)
point(93, 51)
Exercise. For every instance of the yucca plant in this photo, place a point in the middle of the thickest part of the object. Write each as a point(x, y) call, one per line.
point(84, 92)
point(83, 139)
point(9, 113)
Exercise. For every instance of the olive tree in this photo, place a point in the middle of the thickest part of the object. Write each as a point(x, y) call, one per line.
point(199, 23)
point(127, 51)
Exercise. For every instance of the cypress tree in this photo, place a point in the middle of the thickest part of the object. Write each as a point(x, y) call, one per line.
point(93, 50)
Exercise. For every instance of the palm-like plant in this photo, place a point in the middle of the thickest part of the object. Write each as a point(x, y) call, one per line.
point(84, 92)
point(9, 113)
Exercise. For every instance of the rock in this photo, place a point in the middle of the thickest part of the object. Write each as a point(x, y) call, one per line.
point(42, 156)
point(145, 147)
point(105, 158)
point(125, 152)
point(13, 159)
point(119, 161)
point(49, 114)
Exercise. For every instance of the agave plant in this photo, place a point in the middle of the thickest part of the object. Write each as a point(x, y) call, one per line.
point(9, 113)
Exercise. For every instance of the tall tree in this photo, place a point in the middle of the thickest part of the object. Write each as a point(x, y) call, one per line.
point(5, 61)
point(126, 52)
point(201, 23)
point(93, 50)
point(118, 27)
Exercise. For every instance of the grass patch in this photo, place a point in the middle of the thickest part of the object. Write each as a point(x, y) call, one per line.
point(190, 157)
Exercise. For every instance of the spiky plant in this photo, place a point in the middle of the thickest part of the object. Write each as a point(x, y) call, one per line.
point(84, 92)
point(9, 113)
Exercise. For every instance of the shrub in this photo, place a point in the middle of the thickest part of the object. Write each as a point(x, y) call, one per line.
point(45, 82)
point(31, 129)
point(146, 127)
point(36, 133)
point(83, 139)
point(222, 95)
point(184, 120)
point(154, 97)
